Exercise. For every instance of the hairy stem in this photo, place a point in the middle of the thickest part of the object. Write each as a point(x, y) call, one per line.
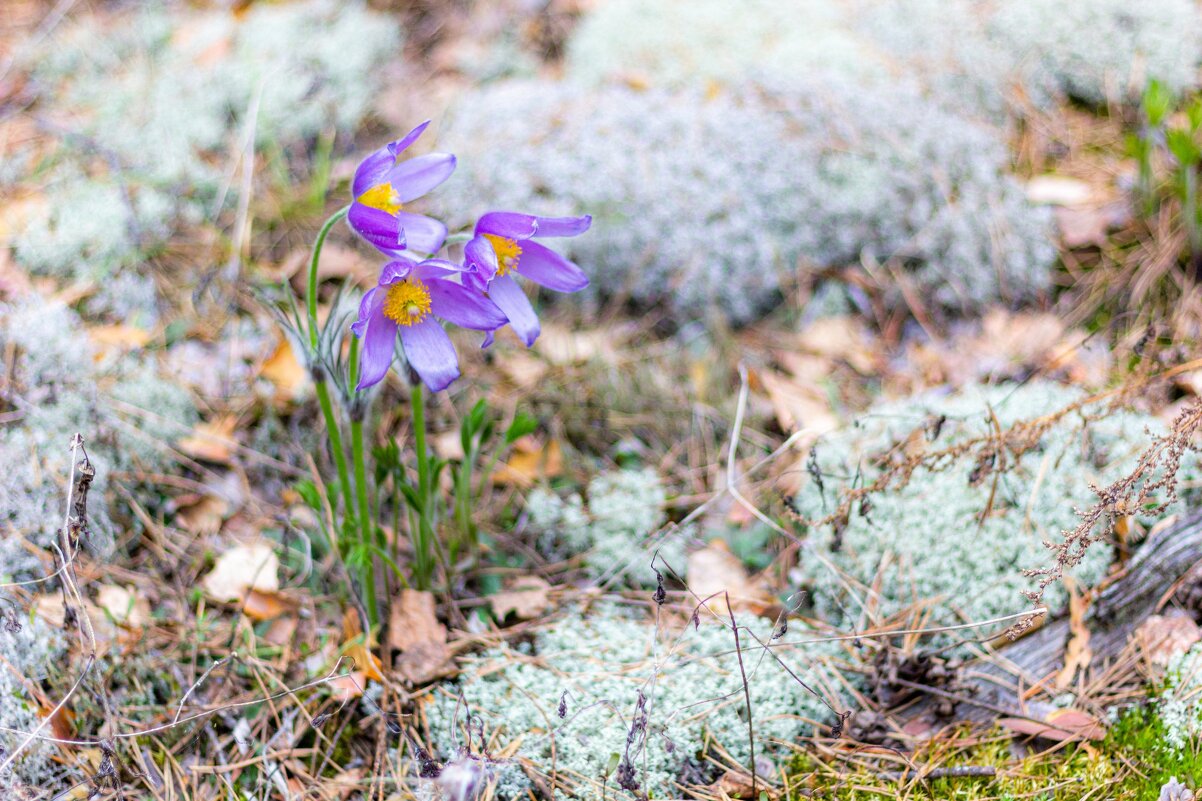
point(311, 282)
point(360, 461)
point(417, 400)
point(333, 431)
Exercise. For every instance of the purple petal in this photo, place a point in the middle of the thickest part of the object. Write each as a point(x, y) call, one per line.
point(379, 343)
point(402, 144)
point(480, 258)
point(562, 226)
point(397, 270)
point(415, 177)
point(430, 353)
point(489, 338)
point(437, 268)
point(373, 170)
point(546, 267)
point(421, 233)
point(508, 224)
point(506, 293)
point(523, 226)
point(368, 306)
point(379, 228)
point(464, 307)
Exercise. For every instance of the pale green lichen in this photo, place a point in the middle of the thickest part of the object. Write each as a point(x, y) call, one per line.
point(670, 43)
point(155, 109)
point(948, 544)
point(1099, 51)
point(598, 662)
point(972, 56)
point(708, 206)
point(625, 508)
point(1179, 705)
point(125, 411)
point(28, 651)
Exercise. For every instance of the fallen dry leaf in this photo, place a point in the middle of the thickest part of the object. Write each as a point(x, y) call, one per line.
point(50, 608)
point(527, 598)
point(714, 570)
point(1089, 226)
point(357, 648)
point(1059, 190)
point(1162, 637)
point(843, 338)
point(1190, 382)
point(282, 630)
point(797, 405)
point(124, 606)
point(524, 370)
point(284, 371)
point(204, 517)
point(267, 605)
point(336, 262)
point(211, 441)
point(1063, 725)
point(1077, 653)
point(530, 461)
point(350, 684)
point(567, 346)
point(736, 784)
point(117, 339)
point(242, 568)
point(448, 445)
point(414, 630)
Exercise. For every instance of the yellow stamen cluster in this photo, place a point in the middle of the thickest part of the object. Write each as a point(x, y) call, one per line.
point(407, 302)
point(507, 251)
point(382, 197)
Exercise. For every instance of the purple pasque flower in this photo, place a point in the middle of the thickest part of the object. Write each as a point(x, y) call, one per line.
point(503, 245)
point(381, 188)
point(409, 298)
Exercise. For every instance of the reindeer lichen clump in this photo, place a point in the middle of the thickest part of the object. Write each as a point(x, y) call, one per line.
point(968, 489)
point(605, 694)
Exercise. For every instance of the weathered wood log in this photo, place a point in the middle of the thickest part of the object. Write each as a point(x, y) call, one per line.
point(1160, 563)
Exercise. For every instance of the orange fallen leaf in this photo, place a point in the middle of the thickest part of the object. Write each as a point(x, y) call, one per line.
point(118, 338)
point(262, 605)
point(356, 648)
point(211, 441)
point(284, 371)
point(1077, 653)
point(530, 462)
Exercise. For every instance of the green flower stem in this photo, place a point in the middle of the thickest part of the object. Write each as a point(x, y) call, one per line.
point(335, 437)
point(311, 284)
point(360, 462)
point(417, 400)
point(333, 431)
